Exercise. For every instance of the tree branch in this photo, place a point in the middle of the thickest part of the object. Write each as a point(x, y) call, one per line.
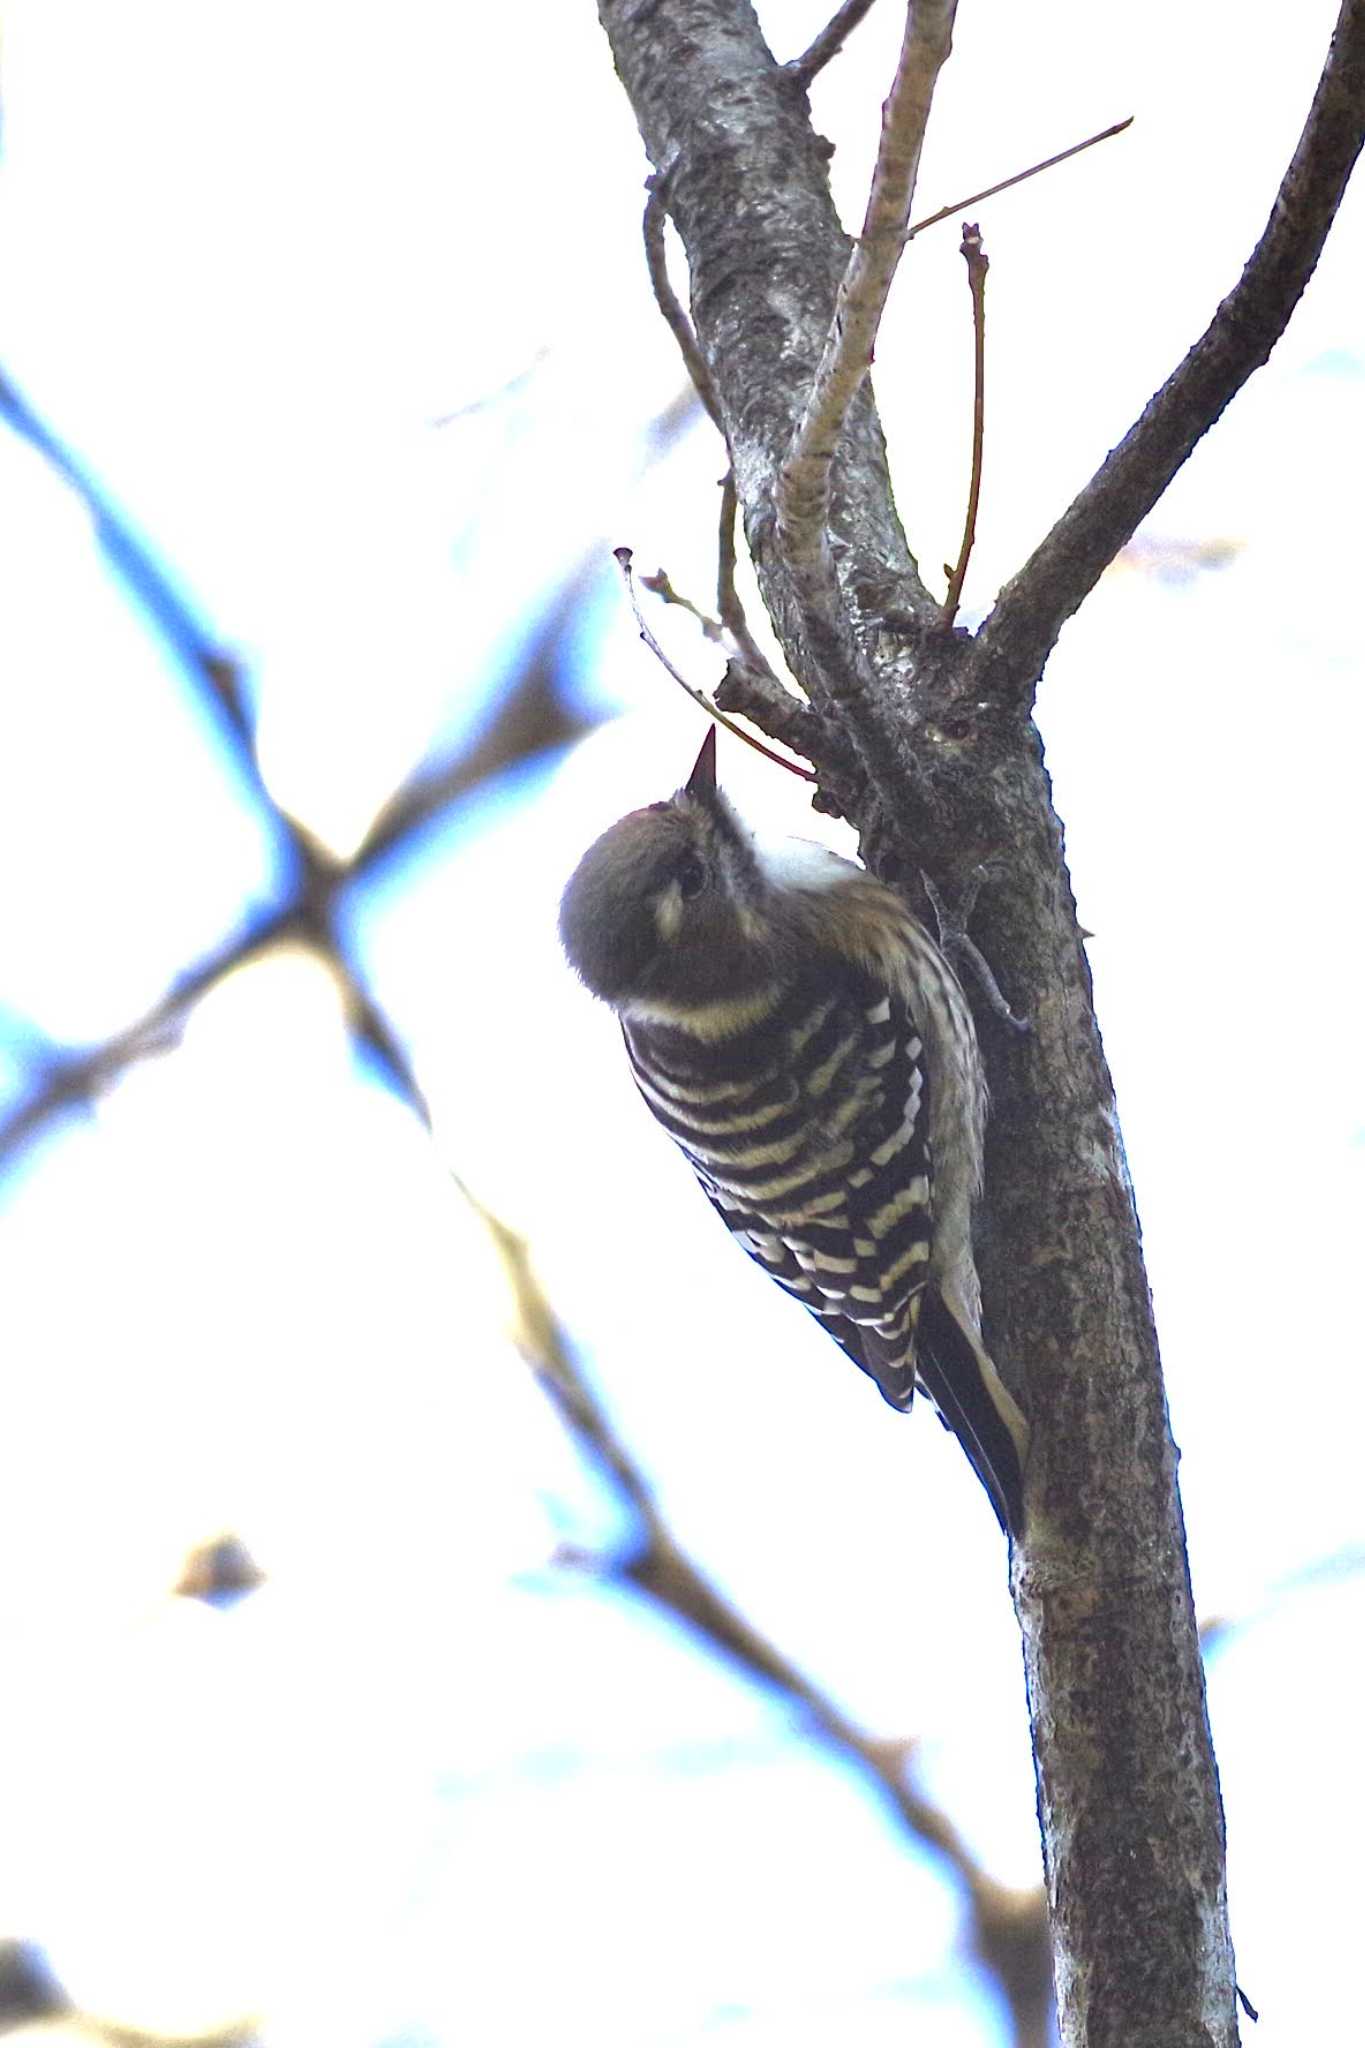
point(1034, 605)
point(1128, 1792)
point(667, 300)
point(804, 483)
point(749, 193)
point(830, 41)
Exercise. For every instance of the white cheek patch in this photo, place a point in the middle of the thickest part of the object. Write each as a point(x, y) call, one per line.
point(668, 911)
point(802, 864)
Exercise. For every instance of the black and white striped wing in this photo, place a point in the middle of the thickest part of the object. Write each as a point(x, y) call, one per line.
point(862, 1267)
point(818, 1161)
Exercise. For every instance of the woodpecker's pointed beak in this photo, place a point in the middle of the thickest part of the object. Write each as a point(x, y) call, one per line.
point(702, 781)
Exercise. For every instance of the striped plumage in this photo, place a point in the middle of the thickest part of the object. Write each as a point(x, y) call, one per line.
point(803, 1040)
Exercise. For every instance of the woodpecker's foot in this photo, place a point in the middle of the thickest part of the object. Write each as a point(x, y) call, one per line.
point(962, 948)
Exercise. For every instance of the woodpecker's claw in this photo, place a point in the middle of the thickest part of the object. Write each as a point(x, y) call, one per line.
point(960, 946)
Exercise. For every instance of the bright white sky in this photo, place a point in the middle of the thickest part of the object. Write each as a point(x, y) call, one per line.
point(423, 1787)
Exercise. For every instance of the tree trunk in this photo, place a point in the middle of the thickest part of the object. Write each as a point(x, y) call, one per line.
point(923, 738)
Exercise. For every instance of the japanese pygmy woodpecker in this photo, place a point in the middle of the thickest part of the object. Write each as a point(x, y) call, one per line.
point(800, 1036)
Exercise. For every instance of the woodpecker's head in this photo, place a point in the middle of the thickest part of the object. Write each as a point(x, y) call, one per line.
point(668, 906)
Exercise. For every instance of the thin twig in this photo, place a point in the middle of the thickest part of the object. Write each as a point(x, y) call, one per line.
point(662, 586)
point(831, 39)
point(728, 601)
point(712, 710)
point(756, 691)
point(978, 263)
point(973, 198)
point(803, 483)
point(667, 300)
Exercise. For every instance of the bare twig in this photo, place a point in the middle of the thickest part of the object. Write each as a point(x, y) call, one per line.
point(978, 263)
point(728, 601)
point(136, 566)
point(831, 39)
point(75, 1080)
point(712, 710)
point(932, 220)
point(667, 300)
point(662, 586)
point(803, 485)
point(1035, 604)
point(752, 688)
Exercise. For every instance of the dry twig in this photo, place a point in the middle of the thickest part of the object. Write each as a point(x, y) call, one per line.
point(932, 220)
point(978, 263)
point(667, 300)
point(712, 710)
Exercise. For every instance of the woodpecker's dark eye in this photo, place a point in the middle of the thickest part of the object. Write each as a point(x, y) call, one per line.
point(691, 877)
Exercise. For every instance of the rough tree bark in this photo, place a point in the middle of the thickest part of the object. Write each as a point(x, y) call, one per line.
point(945, 772)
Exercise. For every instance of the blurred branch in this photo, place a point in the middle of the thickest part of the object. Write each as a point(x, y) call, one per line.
point(28, 1988)
point(978, 263)
point(1217, 1630)
point(75, 1080)
point(529, 720)
point(1009, 1926)
point(133, 563)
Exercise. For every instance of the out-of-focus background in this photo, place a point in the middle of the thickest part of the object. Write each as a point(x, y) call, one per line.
point(331, 375)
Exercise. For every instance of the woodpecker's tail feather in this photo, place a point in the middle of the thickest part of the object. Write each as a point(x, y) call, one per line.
point(967, 1392)
point(934, 1351)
